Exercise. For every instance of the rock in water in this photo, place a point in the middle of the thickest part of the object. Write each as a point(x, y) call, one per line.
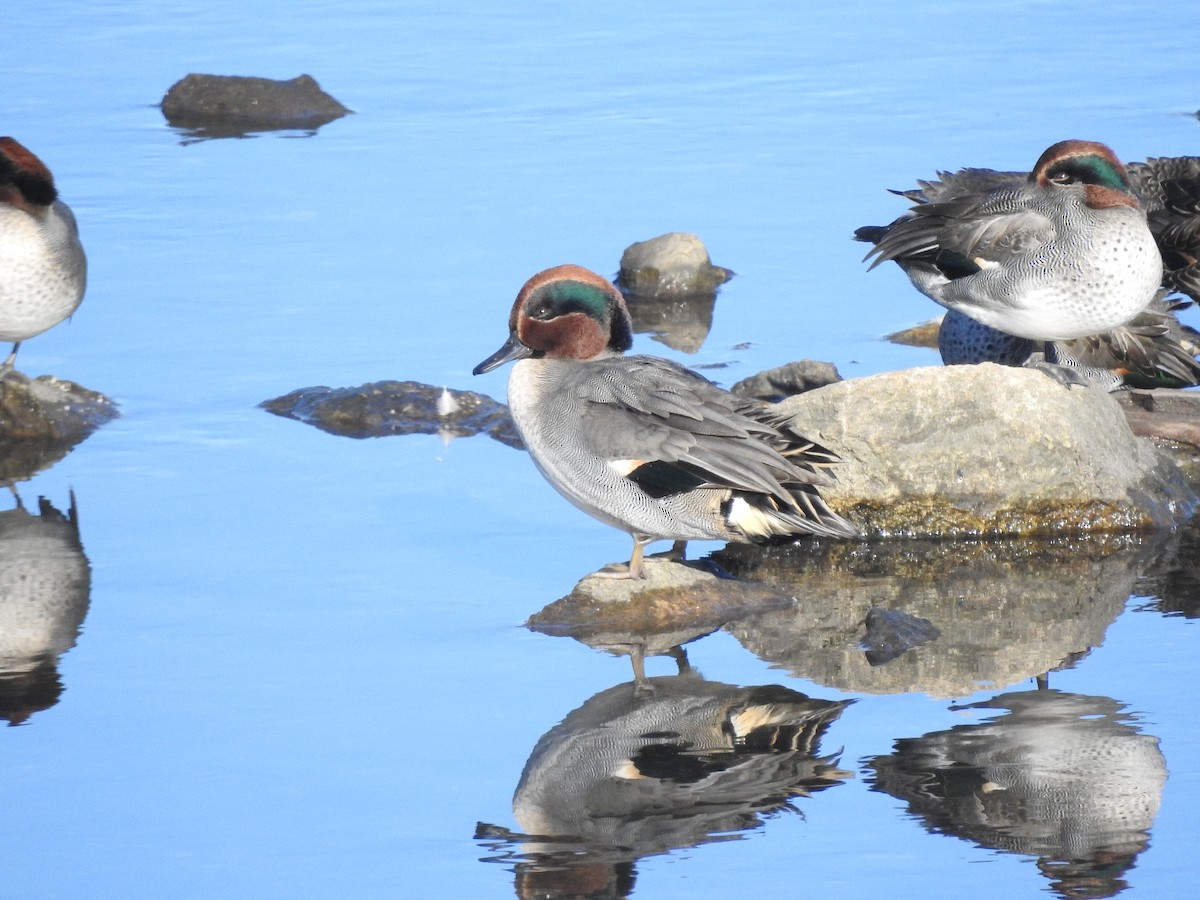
point(236, 104)
point(675, 263)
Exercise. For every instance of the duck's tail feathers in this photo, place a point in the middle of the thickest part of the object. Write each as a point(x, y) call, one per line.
point(763, 519)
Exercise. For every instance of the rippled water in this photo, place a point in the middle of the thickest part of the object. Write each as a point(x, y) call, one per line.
point(301, 669)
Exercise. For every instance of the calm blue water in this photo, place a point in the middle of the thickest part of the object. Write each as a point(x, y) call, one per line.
point(302, 671)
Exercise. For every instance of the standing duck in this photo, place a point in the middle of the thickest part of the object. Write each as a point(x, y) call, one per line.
point(42, 267)
point(1150, 350)
point(642, 443)
point(1063, 253)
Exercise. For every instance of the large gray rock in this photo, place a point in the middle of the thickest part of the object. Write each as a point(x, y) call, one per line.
point(774, 385)
point(987, 450)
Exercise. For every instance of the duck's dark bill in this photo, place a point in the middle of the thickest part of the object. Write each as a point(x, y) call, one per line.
point(512, 349)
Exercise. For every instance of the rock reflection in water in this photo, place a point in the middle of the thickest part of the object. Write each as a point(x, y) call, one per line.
point(682, 322)
point(45, 584)
point(1001, 610)
point(1173, 580)
point(631, 774)
point(1066, 778)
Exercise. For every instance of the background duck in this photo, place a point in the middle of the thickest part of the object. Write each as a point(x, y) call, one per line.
point(43, 270)
point(1153, 349)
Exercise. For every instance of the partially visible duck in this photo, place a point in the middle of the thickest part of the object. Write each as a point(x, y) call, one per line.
point(642, 443)
point(1063, 253)
point(1153, 349)
point(43, 270)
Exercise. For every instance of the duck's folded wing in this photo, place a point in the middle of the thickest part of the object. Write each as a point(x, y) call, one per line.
point(966, 233)
point(965, 183)
point(670, 430)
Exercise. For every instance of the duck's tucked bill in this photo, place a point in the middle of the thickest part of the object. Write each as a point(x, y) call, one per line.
point(643, 443)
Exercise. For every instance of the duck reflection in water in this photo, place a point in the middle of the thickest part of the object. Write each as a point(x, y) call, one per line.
point(1066, 778)
point(45, 586)
point(633, 773)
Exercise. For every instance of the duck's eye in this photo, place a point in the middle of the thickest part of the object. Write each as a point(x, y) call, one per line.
point(542, 311)
point(1063, 178)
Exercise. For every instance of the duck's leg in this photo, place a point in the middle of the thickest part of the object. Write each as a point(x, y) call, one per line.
point(679, 654)
point(677, 553)
point(641, 687)
point(635, 569)
point(1068, 371)
point(7, 365)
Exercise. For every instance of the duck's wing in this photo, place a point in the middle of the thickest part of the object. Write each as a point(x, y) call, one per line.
point(670, 430)
point(966, 234)
point(969, 182)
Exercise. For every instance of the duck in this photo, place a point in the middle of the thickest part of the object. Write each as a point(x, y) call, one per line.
point(644, 444)
point(1061, 253)
point(43, 269)
point(1151, 350)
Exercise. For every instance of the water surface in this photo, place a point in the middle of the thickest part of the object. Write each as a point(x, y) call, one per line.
point(302, 670)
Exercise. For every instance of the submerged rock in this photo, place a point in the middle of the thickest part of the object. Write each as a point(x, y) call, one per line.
point(235, 104)
point(42, 419)
point(891, 633)
point(385, 408)
point(987, 450)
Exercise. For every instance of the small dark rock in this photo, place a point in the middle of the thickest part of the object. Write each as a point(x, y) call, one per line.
point(227, 105)
point(787, 380)
point(670, 287)
point(891, 633)
point(397, 407)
